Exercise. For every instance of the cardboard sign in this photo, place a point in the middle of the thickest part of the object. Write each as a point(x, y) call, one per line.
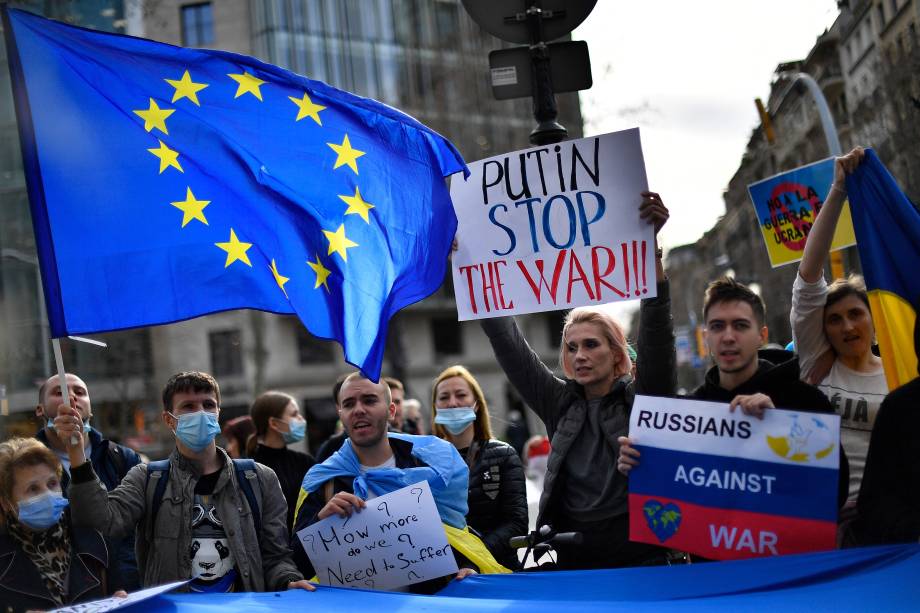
point(786, 206)
point(396, 540)
point(112, 603)
point(727, 486)
point(552, 228)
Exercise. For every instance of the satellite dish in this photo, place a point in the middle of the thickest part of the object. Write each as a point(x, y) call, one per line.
point(506, 19)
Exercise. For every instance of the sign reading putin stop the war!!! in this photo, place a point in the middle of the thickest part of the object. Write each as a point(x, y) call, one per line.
point(726, 486)
point(786, 206)
point(552, 228)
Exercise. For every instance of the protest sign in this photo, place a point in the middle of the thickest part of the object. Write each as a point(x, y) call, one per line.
point(113, 602)
point(552, 228)
point(786, 206)
point(727, 486)
point(396, 540)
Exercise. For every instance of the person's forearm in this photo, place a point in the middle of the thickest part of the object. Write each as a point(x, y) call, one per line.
point(811, 268)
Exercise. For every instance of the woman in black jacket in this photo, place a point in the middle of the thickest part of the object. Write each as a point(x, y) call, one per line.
point(44, 563)
point(497, 493)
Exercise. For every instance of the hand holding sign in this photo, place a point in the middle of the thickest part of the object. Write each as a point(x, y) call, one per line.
point(554, 228)
point(395, 540)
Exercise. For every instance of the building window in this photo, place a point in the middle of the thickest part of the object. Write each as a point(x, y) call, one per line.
point(311, 350)
point(881, 16)
point(447, 335)
point(226, 353)
point(197, 25)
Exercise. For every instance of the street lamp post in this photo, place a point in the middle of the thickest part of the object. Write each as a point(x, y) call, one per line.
point(824, 111)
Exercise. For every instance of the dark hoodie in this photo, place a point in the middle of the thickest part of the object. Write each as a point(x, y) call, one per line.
point(889, 496)
point(780, 381)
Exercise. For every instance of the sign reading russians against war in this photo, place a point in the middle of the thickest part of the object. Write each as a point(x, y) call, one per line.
point(552, 228)
point(396, 540)
point(724, 485)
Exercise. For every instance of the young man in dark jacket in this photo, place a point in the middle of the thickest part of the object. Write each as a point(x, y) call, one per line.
point(110, 461)
point(735, 331)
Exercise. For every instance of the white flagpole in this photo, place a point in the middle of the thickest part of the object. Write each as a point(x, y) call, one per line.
point(62, 376)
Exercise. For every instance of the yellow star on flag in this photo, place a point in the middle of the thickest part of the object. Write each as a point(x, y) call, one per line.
point(357, 205)
point(346, 155)
point(191, 208)
point(322, 273)
point(338, 242)
point(186, 88)
point(247, 84)
point(307, 108)
point(279, 279)
point(155, 117)
point(236, 250)
point(168, 157)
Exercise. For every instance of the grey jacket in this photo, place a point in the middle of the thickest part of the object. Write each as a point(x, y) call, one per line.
point(561, 403)
point(263, 561)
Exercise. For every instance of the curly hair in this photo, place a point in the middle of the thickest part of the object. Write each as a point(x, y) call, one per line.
point(18, 453)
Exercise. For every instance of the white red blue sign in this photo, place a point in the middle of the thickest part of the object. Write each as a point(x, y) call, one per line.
point(727, 486)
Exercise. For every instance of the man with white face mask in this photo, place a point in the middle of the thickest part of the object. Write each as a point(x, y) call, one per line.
point(205, 523)
point(110, 461)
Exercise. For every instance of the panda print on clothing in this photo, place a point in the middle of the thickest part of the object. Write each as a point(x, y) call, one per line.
point(213, 566)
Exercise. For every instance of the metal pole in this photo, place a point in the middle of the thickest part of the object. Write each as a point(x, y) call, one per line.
point(824, 112)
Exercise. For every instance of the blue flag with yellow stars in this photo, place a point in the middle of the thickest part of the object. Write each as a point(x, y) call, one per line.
point(887, 228)
point(169, 183)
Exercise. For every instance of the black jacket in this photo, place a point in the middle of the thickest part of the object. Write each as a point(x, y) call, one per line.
point(889, 496)
point(497, 498)
point(307, 515)
point(22, 587)
point(782, 384)
point(111, 462)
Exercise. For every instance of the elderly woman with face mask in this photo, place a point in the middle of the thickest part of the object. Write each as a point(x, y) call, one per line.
point(497, 494)
point(44, 563)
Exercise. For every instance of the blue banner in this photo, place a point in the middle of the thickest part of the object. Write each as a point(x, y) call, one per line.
point(868, 579)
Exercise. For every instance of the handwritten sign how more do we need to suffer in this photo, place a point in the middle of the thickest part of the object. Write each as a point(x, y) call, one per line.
point(787, 205)
point(552, 228)
point(725, 486)
point(396, 540)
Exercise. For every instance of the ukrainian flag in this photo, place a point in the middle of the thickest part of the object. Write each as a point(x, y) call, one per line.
point(888, 235)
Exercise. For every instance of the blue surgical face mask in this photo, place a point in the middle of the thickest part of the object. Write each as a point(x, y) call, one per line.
point(456, 420)
point(42, 511)
point(297, 430)
point(197, 430)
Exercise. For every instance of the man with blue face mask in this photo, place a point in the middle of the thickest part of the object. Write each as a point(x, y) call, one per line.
point(110, 461)
point(203, 524)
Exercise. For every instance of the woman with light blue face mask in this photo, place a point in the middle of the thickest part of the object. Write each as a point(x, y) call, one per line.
point(279, 423)
point(50, 564)
point(497, 491)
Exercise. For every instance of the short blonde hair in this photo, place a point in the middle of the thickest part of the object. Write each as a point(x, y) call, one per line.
point(482, 427)
point(18, 453)
point(609, 328)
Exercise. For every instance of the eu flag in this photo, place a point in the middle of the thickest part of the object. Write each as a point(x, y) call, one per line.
point(887, 228)
point(168, 183)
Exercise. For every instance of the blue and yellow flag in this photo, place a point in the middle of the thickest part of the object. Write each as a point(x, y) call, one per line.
point(168, 183)
point(888, 235)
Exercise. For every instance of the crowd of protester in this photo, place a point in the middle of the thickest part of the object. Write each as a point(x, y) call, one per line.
point(73, 504)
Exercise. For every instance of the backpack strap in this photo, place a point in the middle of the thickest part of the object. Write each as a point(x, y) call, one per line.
point(159, 469)
point(248, 480)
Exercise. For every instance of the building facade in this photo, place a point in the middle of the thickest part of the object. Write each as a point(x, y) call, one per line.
point(425, 57)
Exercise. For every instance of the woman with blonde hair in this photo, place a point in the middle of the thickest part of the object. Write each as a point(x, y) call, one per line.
point(46, 563)
point(497, 496)
point(586, 413)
